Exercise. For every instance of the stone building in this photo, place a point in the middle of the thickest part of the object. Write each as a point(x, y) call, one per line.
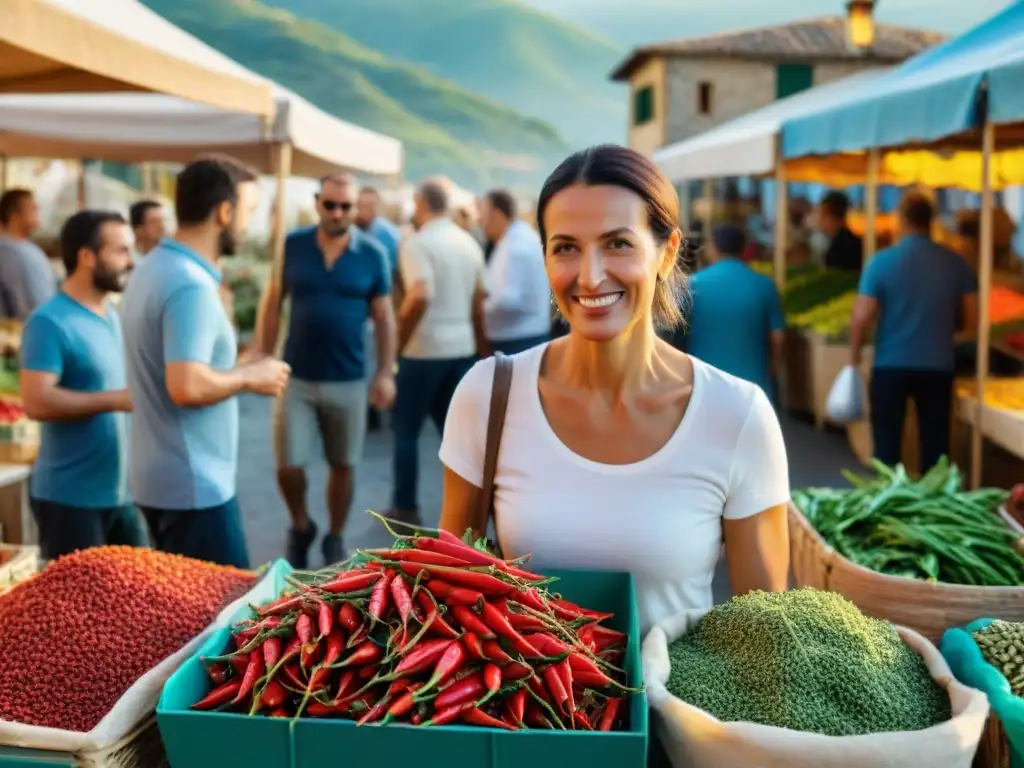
point(682, 88)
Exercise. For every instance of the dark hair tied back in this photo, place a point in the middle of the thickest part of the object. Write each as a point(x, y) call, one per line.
point(612, 165)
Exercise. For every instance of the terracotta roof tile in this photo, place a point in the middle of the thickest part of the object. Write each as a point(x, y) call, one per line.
point(811, 40)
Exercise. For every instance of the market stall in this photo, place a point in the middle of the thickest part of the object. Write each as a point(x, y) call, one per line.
point(67, 46)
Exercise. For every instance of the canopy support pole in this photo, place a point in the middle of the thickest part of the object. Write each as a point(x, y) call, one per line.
point(82, 190)
point(871, 204)
point(781, 219)
point(984, 291)
point(281, 161)
point(709, 197)
point(3, 173)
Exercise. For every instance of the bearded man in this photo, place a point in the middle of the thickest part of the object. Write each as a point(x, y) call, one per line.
point(183, 373)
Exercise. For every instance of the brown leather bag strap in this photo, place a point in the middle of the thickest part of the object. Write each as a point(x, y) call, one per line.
point(495, 426)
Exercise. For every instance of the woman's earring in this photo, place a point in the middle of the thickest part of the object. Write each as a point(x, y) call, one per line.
point(554, 303)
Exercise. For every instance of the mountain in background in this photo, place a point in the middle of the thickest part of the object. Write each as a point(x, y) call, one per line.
point(534, 62)
point(639, 22)
point(445, 127)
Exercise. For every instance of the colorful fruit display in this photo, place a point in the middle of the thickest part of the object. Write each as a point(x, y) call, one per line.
point(1007, 394)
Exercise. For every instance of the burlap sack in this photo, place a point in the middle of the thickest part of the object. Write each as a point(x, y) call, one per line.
point(694, 739)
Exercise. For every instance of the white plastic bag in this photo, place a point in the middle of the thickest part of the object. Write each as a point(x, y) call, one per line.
point(845, 402)
point(694, 739)
point(139, 701)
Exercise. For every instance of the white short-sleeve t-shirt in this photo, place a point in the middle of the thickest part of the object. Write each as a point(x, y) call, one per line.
point(659, 518)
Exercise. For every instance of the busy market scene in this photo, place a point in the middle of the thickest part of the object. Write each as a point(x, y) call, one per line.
point(306, 308)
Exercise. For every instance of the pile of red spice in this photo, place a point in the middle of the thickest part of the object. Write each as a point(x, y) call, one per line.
point(77, 636)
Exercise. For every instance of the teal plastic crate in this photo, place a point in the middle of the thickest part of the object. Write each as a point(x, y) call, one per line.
point(13, 757)
point(209, 740)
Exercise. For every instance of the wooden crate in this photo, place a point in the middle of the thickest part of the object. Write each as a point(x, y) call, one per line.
point(19, 527)
point(926, 607)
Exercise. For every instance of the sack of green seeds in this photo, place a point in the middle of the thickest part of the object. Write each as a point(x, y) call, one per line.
point(968, 663)
point(694, 738)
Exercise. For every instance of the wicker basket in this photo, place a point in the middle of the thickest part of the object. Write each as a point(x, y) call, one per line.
point(143, 748)
point(18, 452)
point(23, 565)
point(994, 748)
point(926, 607)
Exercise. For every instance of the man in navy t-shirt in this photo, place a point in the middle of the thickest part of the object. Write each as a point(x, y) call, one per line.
point(336, 276)
point(922, 294)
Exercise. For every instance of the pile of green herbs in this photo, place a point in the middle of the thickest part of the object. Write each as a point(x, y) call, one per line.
point(929, 529)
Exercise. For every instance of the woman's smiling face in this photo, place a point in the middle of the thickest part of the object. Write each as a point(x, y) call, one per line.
point(602, 259)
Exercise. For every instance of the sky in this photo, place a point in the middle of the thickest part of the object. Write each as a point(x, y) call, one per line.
point(644, 21)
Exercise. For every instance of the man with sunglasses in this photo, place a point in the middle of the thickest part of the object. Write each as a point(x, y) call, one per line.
point(336, 275)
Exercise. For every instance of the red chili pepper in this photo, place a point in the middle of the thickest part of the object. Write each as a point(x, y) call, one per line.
point(273, 696)
point(474, 646)
point(472, 623)
point(439, 625)
point(548, 644)
point(521, 622)
point(324, 619)
point(292, 673)
point(368, 652)
point(449, 715)
point(403, 704)
point(379, 597)
point(240, 662)
point(280, 712)
point(293, 647)
point(332, 652)
point(556, 689)
point(518, 671)
point(535, 718)
point(449, 663)
point(605, 636)
point(494, 652)
point(308, 654)
point(400, 685)
point(531, 598)
point(462, 550)
point(492, 677)
point(253, 672)
point(565, 675)
point(319, 709)
point(463, 596)
point(283, 604)
point(580, 663)
point(425, 656)
point(347, 685)
point(494, 619)
point(483, 582)
point(365, 673)
point(376, 712)
point(416, 719)
point(469, 689)
point(419, 556)
point(611, 711)
point(590, 680)
point(403, 602)
point(218, 673)
point(580, 719)
point(304, 628)
point(351, 581)
point(516, 705)
point(349, 618)
point(271, 651)
point(220, 695)
point(476, 716)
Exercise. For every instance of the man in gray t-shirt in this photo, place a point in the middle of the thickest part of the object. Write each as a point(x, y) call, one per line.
point(26, 277)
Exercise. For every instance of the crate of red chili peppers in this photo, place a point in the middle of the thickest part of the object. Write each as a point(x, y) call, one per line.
point(433, 652)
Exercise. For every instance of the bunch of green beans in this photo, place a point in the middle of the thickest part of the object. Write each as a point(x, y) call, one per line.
point(929, 529)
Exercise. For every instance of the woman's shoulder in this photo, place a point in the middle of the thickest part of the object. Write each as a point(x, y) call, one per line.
point(725, 393)
point(478, 383)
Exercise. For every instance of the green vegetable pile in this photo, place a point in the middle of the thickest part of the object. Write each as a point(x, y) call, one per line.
point(925, 529)
point(816, 287)
point(1002, 645)
point(804, 660)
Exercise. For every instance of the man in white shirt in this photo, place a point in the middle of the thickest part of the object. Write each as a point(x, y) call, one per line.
point(517, 311)
point(440, 328)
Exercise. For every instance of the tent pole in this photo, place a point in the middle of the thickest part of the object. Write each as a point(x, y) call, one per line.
point(82, 192)
point(3, 173)
point(709, 198)
point(781, 219)
point(984, 291)
point(281, 162)
point(871, 204)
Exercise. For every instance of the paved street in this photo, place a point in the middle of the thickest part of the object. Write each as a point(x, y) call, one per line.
point(814, 459)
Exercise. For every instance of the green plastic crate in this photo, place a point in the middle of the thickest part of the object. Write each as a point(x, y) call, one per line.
point(14, 757)
point(209, 740)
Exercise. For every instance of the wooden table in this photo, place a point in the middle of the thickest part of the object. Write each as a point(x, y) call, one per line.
point(16, 523)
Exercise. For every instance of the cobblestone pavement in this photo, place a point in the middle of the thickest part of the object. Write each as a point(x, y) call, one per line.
point(815, 458)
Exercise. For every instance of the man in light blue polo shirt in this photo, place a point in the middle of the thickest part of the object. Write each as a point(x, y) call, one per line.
point(181, 354)
point(922, 294)
point(73, 381)
point(735, 322)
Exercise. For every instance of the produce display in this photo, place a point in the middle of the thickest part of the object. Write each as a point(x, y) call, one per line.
point(1007, 394)
point(807, 661)
point(434, 630)
point(1015, 504)
point(816, 299)
point(78, 635)
point(831, 319)
point(921, 529)
point(1002, 645)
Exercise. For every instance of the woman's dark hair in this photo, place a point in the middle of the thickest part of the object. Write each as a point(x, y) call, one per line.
point(84, 230)
point(612, 165)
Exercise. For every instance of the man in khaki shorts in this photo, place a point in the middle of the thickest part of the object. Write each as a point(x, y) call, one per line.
point(336, 276)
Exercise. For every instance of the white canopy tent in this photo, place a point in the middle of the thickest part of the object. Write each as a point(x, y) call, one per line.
point(51, 46)
point(747, 146)
point(138, 128)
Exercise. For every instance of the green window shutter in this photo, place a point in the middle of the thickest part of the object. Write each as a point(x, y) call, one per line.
point(643, 105)
point(792, 78)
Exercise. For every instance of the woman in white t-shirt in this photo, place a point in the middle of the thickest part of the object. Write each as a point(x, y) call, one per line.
point(618, 451)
